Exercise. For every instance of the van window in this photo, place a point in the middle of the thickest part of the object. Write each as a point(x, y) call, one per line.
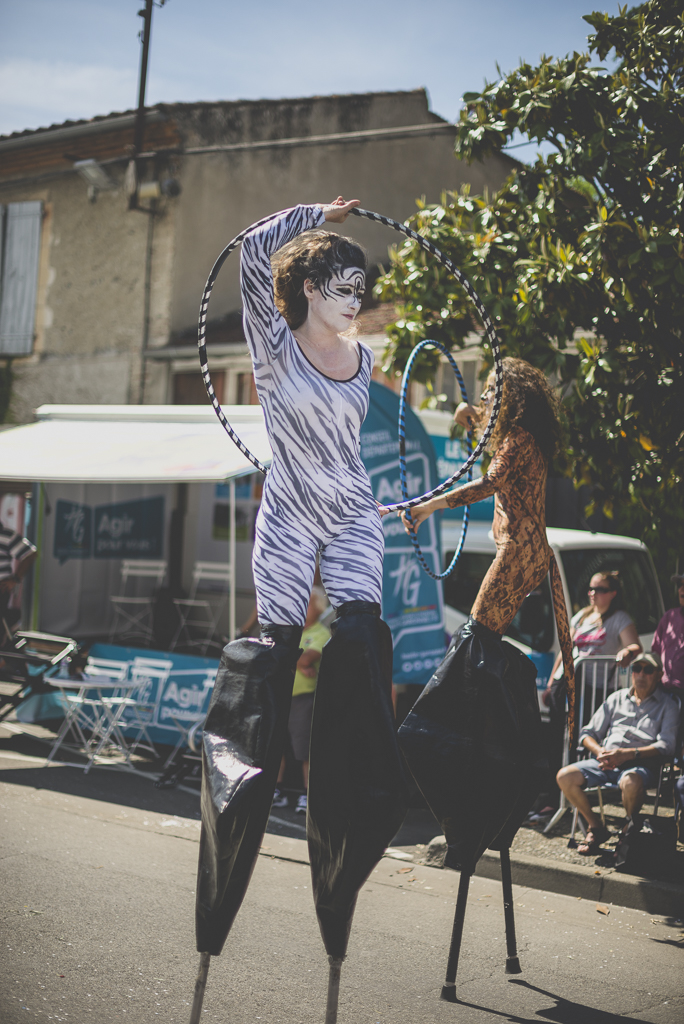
point(642, 600)
point(460, 589)
point(534, 623)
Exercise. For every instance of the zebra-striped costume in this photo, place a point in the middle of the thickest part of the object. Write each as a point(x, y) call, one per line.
point(317, 498)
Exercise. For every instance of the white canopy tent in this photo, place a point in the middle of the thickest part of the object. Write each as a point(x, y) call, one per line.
point(132, 444)
point(88, 444)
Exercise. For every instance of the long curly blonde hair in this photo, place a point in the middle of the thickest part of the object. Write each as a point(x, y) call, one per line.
point(529, 402)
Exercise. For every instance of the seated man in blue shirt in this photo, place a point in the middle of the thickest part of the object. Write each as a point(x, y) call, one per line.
point(629, 736)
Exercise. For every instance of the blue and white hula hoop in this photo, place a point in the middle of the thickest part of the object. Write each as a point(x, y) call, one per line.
point(453, 270)
point(402, 453)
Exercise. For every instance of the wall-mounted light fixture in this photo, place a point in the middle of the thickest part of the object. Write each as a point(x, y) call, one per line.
point(157, 189)
point(95, 177)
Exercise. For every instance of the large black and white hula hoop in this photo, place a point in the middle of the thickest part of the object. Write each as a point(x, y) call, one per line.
point(403, 401)
point(453, 270)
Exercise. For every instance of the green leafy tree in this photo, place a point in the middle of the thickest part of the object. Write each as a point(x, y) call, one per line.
point(585, 244)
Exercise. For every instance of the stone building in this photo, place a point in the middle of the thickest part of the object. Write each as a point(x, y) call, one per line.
point(100, 294)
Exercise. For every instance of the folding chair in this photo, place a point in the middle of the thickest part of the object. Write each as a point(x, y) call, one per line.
point(189, 725)
point(148, 677)
point(133, 613)
point(201, 614)
point(615, 791)
point(94, 706)
point(28, 661)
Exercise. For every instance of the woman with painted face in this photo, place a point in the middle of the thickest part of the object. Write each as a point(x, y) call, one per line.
point(301, 290)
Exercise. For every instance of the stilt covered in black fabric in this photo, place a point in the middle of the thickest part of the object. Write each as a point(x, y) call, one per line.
point(243, 741)
point(357, 787)
point(473, 743)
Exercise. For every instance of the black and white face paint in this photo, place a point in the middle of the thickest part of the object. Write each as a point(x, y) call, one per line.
point(338, 300)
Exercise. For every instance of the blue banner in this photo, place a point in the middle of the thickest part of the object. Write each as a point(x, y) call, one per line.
point(451, 454)
point(73, 531)
point(412, 602)
point(130, 529)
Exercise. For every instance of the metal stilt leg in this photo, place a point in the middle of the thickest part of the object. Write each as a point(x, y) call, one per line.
point(333, 990)
point(449, 987)
point(200, 986)
point(512, 961)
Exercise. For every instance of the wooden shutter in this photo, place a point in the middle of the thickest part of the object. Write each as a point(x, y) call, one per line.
point(21, 254)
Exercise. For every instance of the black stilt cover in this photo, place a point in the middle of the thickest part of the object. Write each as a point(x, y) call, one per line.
point(473, 743)
point(242, 745)
point(357, 785)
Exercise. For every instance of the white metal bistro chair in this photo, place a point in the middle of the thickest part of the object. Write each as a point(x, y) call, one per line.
point(200, 612)
point(189, 722)
point(133, 613)
point(94, 706)
point(148, 677)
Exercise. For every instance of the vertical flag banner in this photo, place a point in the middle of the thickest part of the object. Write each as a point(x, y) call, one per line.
point(412, 603)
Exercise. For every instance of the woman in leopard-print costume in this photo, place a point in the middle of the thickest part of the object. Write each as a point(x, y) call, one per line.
point(525, 438)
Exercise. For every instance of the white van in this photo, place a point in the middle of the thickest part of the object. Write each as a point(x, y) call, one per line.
point(579, 554)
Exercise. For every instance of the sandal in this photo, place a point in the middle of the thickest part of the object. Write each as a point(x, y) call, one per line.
point(593, 839)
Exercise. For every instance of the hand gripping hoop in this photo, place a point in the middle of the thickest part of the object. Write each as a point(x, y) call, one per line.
point(402, 454)
point(453, 270)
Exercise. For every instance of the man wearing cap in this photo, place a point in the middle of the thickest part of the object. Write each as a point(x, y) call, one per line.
point(668, 642)
point(628, 737)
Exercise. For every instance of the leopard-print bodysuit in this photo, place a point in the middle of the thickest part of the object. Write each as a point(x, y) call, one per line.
point(517, 479)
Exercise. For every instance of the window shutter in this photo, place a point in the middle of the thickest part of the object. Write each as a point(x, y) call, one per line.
point(20, 277)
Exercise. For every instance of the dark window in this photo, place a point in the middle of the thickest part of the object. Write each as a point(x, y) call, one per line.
point(460, 589)
point(20, 227)
point(534, 623)
point(246, 390)
point(189, 389)
point(243, 522)
point(640, 590)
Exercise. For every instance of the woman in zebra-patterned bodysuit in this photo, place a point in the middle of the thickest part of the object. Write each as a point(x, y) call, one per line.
point(312, 379)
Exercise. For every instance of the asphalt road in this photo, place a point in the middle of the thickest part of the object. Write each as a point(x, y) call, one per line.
point(97, 899)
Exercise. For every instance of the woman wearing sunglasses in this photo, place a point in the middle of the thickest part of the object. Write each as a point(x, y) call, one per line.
point(602, 627)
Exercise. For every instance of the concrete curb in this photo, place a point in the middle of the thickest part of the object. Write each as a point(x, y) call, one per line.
point(603, 886)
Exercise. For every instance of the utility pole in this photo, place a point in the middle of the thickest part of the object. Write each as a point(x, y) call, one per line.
point(139, 134)
point(146, 14)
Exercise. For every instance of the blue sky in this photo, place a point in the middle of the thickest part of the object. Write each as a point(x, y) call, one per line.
point(63, 59)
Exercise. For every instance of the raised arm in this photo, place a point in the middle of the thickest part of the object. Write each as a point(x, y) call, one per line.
point(476, 490)
point(264, 326)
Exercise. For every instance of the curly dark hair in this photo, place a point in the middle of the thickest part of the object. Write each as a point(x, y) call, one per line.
point(529, 402)
point(314, 255)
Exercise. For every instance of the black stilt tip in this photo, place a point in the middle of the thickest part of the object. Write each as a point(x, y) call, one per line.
point(449, 993)
point(513, 965)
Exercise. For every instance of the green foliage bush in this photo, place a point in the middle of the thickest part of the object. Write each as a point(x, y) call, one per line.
point(586, 243)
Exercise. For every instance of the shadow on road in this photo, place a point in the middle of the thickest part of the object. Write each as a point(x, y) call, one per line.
point(565, 1011)
point(106, 784)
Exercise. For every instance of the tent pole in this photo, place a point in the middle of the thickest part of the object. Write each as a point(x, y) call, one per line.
point(38, 515)
point(231, 605)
